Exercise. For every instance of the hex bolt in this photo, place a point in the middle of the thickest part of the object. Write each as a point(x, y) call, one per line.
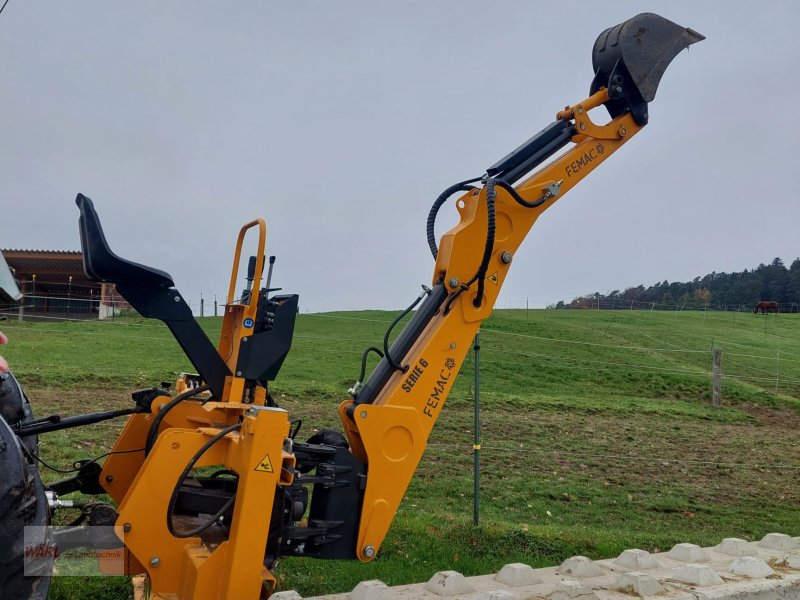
point(619, 89)
point(623, 132)
point(369, 551)
point(583, 126)
point(245, 340)
point(453, 283)
point(126, 527)
point(452, 345)
point(177, 298)
point(155, 561)
point(580, 110)
point(506, 257)
point(363, 414)
point(238, 373)
point(109, 479)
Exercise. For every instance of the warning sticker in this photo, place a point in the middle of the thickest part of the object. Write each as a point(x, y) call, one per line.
point(493, 278)
point(265, 465)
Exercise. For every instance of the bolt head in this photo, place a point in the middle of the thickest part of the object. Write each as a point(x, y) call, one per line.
point(369, 551)
point(238, 373)
point(155, 561)
point(109, 479)
point(453, 283)
point(177, 298)
point(452, 345)
point(363, 414)
point(506, 257)
point(583, 126)
point(126, 527)
point(580, 110)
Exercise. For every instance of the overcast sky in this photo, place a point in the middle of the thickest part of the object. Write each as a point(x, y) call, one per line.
point(340, 122)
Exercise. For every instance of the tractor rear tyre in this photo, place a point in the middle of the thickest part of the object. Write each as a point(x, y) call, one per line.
point(23, 501)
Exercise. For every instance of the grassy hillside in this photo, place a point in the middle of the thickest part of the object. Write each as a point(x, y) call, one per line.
point(597, 430)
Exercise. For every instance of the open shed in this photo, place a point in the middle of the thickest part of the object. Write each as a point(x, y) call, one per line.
point(54, 286)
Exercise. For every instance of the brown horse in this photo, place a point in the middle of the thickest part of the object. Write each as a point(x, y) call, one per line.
point(766, 306)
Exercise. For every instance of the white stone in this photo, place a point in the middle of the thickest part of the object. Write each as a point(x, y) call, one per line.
point(699, 575)
point(448, 583)
point(517, 575)
point(752, 567)
point(792, 560)
point(499, 595)
point(779, 541)
point(688, 553)
point(580, 566)
point(373, 589)
point(571, 590)
point(287, 595)
point(637, 559)
point(734, 547)
point(639, 583)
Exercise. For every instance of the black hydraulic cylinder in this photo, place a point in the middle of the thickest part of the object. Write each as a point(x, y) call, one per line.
point(410, 334)
point(55, 422)
point(533, 152)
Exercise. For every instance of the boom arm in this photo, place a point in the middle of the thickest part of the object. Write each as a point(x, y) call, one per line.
point(389, 422)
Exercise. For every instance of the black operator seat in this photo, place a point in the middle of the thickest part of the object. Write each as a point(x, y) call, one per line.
point(101, 264)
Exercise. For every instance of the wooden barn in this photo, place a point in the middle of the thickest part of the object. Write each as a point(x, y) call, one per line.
point(54, 286)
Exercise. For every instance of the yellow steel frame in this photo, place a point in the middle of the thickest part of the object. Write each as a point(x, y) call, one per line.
point(188, 568)
point(391, 434)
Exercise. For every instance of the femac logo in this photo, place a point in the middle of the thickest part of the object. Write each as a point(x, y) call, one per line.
point(248, 323)
point(437, 394)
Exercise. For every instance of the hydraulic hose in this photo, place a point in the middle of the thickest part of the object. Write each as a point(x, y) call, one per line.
point(152, 434)
point(480, 276)
point(174, 496)
point(392, 363)
point(462, 186)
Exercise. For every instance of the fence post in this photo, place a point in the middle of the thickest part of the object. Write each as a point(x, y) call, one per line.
point(716, 377)
point(777, 371)
point(215, 305)
point(202, 305)
point(476, 444)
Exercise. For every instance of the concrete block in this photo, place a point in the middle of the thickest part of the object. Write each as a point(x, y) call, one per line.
point(688, 553)
point(373, 589)
point(572, 590)
point(752, 567)
point(699, 575)
point(517, 575)
point(287, 595)
point(448, 583)
point(734, 547)
point(779, 541)
point(580, 566)
point(639, 583)
point(637, 559)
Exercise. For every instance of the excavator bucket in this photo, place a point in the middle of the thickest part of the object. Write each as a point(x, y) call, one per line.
point(630, 58)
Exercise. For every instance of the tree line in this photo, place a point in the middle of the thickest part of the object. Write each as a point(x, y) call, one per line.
point(725, 291)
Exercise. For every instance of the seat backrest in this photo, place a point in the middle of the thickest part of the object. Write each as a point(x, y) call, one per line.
point(101, 264)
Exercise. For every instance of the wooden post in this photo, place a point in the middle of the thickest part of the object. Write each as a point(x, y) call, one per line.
point(777, 371)
point(716, 377)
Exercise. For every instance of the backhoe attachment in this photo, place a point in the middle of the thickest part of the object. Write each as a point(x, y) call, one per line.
point(629, 60)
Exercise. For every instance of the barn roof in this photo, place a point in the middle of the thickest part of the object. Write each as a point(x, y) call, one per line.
point(53, 265)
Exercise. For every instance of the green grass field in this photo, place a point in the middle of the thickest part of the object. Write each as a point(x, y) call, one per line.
point(598, 434)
